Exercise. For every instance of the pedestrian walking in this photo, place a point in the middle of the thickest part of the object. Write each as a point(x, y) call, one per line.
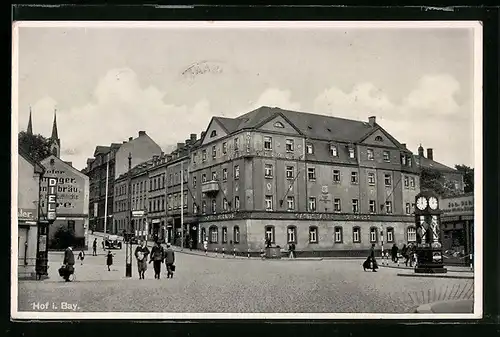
point(81, 257)
point(404, 253)
point(141, 254)
point(109, 260)
point(157, 256)
point(190, 244)
point(370, 262)
point(169, 261)
point(394, 253)
point(94, 247)
point(68, 263)
point(291, 249)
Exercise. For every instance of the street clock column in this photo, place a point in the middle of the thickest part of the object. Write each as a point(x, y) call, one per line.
point(428, 224)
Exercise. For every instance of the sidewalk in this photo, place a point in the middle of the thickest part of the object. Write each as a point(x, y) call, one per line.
point(455, 269)
point(447, 307)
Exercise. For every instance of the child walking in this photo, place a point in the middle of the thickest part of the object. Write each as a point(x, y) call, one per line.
point(81, 257)
point(109, 260)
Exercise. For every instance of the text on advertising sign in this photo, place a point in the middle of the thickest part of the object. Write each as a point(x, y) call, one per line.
point(51, 198)
point(458, 206)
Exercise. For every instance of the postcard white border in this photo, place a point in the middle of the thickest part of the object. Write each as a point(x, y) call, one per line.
point(478, 169)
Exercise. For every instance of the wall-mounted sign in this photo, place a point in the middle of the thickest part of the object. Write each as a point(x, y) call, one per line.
point(458, 206)
point(137, 214)
point(26, 214)
point(51, 198)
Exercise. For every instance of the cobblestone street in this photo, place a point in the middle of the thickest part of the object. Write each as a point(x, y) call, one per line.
point(203, 284)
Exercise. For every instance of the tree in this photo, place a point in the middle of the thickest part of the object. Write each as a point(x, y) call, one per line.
point(433, 180)
point(63, 238)
point(468, 173)
point(37, 146)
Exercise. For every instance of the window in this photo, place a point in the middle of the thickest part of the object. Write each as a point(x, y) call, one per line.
point(369, 154)
point(224, 148)
point(268, 170)
point(169, 202)
point(289, 172)
point(225, 205)
point(373, 235)
point(354, 177)
point(412, 182)
point(387, 179)
point(336, 176)
point(185, 175)
point(214, 176)
point(409, 161)
point(373, 207)
point(291, 234)
point(237, 203)
point(269, 202)
point(371, 178)
point(379, 139)
point(213, 133)
point(336, 205)
point(195, 208)
point(312, 204)
point(333, 150)
point(193, 158)
point(185, 199)
point(311, 173)
point(309, 149)
point(411, 234)
point(204, 155)
point(390, 235)
point(388, 207)
point(194, 181)
point(224, 174)
point(387, 156)
point(236, 144)
point(403, 160)
point(268, 143)
point(289, 145)
point(203, 207)
point(290, 203)
point(279, 125)
point(204, 178)
point(237, 172)
point(407, 182)
point(214, 234)
point(351, 153)
point(408, 209)
point(355, 205)
point(313, 234)
point(337, 235)
point(236, 234)
point(413, 207)
point(214, 152)
point(224, 234)
point(270, 233)
point(214, 206)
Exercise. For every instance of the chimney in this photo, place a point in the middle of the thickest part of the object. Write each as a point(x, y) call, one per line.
point(162, 154)
point(124, 142)
point(169, 157)
point(130, 138)
point(420, 151)
point(180, 146)
point(188, 141)
point(404, 145)
point(372, 120)
point(430, 154)
point(202, 134)
point(193, 137)
point(142, 133)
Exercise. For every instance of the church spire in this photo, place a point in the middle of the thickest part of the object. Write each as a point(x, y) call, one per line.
point(29, 131)
point(55, 135)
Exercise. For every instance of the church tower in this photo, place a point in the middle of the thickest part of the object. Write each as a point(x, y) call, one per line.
point(29, 131)
point(55, 142)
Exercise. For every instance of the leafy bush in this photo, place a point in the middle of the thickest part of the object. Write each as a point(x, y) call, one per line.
point(63, 238)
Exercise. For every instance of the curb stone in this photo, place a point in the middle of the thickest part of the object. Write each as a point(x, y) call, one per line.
point(462, 277)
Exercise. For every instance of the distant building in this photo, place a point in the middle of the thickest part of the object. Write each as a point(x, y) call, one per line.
point(30, 174)
point(72, 200)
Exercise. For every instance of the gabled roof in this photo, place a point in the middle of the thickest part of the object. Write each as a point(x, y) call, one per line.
point(65, 163)
point(39, 168)
point(431, 164)
point(101, 150)
point(230, 124)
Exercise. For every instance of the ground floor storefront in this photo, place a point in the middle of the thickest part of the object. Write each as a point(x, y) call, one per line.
point(27, 241)
point(313, 234)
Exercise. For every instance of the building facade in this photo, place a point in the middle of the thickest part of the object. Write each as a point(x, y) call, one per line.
point(156, 202)
point(328, 185)
point(28, 195)
point(72, 201)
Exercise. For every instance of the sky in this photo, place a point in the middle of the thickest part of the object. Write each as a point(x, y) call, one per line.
point(107, 83)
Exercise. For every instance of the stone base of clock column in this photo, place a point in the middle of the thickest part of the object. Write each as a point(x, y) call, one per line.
point(430, 270)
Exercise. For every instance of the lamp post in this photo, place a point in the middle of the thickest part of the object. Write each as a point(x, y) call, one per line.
point(128, 250)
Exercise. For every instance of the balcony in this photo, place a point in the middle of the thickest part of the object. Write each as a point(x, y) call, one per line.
point(210, 187)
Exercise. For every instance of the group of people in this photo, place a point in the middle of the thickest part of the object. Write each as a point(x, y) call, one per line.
point(157, 255)
point(407, 252)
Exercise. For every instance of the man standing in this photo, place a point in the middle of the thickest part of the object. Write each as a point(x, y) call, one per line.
point(169, 260)
point(141, 254)
point(94, 247)
point(394, 253)
point(69, 263)
point(157, 255)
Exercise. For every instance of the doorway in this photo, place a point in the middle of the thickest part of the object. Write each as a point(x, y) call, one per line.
point(22, 249)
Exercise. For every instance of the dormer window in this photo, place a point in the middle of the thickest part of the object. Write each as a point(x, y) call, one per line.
point(333, 150)
point(379, 139)
point(351, 153)
point(309, 149)
point(213, 133)
point(279, 125)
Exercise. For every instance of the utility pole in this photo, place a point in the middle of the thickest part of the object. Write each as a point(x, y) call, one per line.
point(106, 195)
point(182, 204)
point(128, 259)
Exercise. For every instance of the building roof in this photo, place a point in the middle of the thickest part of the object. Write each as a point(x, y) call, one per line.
point(101, 150)
point(431, 164)
point(310, 125)
point(39, 168)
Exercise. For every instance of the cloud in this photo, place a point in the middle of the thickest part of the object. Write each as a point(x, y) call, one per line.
point(274, 97)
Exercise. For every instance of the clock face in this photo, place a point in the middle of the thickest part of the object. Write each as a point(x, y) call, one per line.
point(433, 203)
point(421, 203)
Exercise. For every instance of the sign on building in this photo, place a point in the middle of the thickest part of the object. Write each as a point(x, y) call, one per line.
point(463, 205)
point(52, 199)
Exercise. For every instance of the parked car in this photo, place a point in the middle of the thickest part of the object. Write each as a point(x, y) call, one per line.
point(112, 242)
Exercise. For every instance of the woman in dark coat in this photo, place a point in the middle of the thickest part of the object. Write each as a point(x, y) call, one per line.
point(370, 261)
point(157, 256)
point(109, 260)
